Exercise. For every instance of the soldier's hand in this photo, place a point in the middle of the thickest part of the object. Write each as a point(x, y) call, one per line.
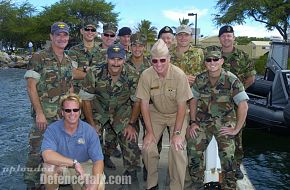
point(41, 121)
point(177, 141)
point(192, 130)
point(130, 133)
point(228, 131)
point(191, 79)
point(148, 139)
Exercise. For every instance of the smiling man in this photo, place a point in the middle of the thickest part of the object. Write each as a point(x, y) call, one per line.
point(113, 85)
point(167, 87)
point(219, 107)
point(71, 148)
point(49, 76)
point(87, 53)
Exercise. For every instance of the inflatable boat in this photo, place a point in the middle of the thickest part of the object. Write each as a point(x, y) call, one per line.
point(269, 95)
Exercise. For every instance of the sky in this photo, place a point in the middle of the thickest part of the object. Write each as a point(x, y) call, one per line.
point(167, 13)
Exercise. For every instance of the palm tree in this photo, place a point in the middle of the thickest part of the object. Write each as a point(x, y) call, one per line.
point(183, 21)
point(146, 29)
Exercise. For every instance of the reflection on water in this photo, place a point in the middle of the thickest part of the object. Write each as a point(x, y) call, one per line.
point(267, 159)
point(267, 156)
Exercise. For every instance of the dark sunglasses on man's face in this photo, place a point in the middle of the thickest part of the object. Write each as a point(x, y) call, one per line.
point(90, 29)
point(211, 59)
point(70, 110)
point(160, 60)
point(111, 35)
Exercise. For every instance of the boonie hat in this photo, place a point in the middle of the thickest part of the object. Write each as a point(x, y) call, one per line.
point(184, 28)
point(116, 51)
point(59, 27)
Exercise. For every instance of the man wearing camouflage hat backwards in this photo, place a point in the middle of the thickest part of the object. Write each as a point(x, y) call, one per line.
point(167, 86)
point(49, 76)
point(216, 94)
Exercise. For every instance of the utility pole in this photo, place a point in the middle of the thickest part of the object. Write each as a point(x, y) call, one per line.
point(195, 25)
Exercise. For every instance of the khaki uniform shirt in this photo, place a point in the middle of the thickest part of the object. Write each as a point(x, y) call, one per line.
point(165, 93)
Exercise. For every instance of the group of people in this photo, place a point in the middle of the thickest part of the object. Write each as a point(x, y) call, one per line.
point(93, 99)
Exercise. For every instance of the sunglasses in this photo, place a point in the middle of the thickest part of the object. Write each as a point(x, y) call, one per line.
point(90, 29)
point(70, 110)
point(211, 59)
point(111, 35)
point(163, 60)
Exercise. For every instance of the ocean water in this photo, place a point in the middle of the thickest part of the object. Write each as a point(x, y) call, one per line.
point(267, 154)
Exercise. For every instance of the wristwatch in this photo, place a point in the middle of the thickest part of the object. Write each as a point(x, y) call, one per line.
point(177, 132)
point(85, 68)
point(192, 122)
point(74, 163)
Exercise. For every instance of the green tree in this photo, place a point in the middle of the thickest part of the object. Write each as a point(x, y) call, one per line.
point(149, 31)
point(15, 23)
point(274, 14)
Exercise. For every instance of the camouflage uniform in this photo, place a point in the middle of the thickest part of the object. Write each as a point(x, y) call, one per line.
point(55, 81)
point(239, 63)
point(83, 57)
point(215, 109)
point(191, 61)
point(115, 107)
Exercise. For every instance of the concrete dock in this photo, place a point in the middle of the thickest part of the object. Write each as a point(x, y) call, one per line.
point(244, 184)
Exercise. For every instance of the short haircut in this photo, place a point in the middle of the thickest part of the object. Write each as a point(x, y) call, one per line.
point(70, 97)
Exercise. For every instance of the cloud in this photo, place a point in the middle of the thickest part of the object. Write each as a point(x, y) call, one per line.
point(174, 15)
point(258, 31)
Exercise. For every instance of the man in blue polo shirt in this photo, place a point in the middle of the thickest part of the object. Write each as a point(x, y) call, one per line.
point(72, 148)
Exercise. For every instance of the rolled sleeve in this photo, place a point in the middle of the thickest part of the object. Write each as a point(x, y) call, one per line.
point(240, 97)
point(196, 95)
point(86, 96)
point(32, 74)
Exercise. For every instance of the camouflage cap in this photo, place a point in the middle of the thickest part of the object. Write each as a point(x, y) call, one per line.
point(226, 29)
point(184, 28)
point(89, 21)
point(59, 27)
point(165, 29)
point(138, 38)
point(159, 49)
point(116, 51)
point(213, 53)
point(109, 27)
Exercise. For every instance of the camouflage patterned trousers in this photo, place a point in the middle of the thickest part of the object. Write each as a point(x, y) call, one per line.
point(239, 152)
point(34, 160)
point(196, 147)
point(130, 150)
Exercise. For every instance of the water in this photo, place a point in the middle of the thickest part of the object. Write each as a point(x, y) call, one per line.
point(267, 156)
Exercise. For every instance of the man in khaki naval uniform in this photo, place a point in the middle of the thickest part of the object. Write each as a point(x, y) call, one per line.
point(167, 87)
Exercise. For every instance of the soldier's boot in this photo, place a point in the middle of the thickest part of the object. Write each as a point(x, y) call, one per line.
point(109, 163)
point(154, 188)
point(239, 174)
point(117, 153)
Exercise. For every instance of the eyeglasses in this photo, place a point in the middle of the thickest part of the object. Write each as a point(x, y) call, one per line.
point(90, 29)
point(163, 60)
point(111, 35)
point(211, 59)
point(70, 110)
